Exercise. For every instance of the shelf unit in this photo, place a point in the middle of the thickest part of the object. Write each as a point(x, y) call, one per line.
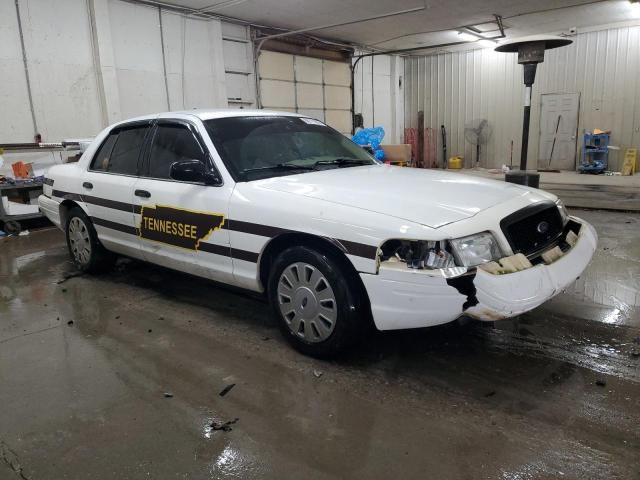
point(595, 153)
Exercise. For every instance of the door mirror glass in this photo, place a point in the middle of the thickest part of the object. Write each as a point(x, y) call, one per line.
point(189, 170)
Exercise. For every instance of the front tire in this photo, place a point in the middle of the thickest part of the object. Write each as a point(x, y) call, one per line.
point(87, 253)
point(315, 301)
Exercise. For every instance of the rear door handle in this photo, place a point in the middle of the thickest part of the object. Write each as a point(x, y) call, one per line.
point(87, 185)
point(142, 193)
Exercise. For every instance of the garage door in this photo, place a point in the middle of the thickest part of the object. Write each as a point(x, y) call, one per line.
point(311, 86)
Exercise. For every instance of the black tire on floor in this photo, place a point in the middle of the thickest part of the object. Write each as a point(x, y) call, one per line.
point(12, 227)
point(349, 309)
point(98, 258)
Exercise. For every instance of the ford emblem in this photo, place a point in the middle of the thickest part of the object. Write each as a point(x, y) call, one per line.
point(543, 227)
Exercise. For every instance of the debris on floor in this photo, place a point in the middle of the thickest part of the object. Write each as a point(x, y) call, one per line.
point(168, 395)
point(68, 277)
point(226, 389)
point(317, 373)
point(224, 426)
point(601, 383)
point(70, 323)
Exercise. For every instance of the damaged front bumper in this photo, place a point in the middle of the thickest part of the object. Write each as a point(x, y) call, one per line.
point(401, 298)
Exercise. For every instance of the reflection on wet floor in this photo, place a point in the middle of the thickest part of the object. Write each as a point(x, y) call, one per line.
point(85, 364)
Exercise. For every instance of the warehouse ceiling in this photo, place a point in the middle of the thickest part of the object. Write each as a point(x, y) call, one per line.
point(434, 24)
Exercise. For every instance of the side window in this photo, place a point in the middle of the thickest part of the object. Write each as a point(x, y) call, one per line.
point(101, 158)
point(172, 143)
point(119, 152)
point(125, 153)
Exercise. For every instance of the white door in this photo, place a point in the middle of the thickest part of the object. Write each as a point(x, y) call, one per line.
point(107, 187)
point(181, 221)
point(559, 111)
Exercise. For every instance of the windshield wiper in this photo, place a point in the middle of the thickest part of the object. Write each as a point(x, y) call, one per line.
point(278, 167)
point(343, 161)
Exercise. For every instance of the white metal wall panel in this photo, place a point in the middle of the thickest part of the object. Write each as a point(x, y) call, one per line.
point(135, 32)
point(89, 69)
point(236, 58)
point(15, 121)
point(194, 62)
point(61, 70)
point(455, 88)
point(238, 65)
point(376, 90)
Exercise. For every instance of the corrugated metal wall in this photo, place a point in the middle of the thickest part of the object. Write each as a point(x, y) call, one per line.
point(456, 88)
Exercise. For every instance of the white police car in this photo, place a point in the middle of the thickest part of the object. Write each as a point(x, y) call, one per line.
point(280, 203)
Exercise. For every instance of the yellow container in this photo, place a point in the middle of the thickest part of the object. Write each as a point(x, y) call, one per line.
point(455, 162)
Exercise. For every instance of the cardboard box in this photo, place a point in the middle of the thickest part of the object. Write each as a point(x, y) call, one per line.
point(22, 170)
point(398, 153)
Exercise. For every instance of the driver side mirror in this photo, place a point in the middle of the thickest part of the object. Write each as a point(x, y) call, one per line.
point(193, 171)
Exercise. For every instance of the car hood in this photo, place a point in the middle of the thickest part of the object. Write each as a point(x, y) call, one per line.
point(429, 197)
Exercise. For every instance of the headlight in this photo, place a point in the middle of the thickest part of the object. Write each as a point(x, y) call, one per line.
point(476, 249)
point(564, 214)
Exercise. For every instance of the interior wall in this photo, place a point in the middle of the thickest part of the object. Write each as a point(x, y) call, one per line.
point(94, 62)
point(378, 94)
point(455, 88)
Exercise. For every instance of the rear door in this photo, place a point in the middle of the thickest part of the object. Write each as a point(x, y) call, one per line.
point(181, 223)
point(107, 187)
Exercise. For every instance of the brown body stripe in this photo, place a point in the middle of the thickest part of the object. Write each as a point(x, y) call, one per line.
point(349, 247)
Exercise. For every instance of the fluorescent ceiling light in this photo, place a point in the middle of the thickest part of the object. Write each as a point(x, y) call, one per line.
point(634, 8)
point(467, 37)
point(487, 43)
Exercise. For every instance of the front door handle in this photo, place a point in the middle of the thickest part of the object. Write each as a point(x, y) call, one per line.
point(87, 185)
point(142, 193)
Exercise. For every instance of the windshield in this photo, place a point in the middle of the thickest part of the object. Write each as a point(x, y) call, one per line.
point(253, 148)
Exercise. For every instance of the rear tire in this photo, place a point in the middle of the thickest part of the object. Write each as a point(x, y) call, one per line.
point(86, 251)
point(315, 301)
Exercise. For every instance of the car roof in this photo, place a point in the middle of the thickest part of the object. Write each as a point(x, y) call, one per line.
point(208, 114)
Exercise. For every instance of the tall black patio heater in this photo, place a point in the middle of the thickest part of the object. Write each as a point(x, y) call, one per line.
point(530, 54)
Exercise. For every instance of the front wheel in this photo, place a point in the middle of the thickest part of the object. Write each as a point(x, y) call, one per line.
point(315, 302)
point(87, 253)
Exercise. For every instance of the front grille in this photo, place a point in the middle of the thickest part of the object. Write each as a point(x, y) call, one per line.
point(533, 228)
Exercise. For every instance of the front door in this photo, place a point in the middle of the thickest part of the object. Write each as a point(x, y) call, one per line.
point(181, 224)
point(559, 121)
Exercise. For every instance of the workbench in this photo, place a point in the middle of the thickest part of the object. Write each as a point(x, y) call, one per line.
point(11, 223)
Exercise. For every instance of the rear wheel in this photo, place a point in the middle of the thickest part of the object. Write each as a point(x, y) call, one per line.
point(315, 301)
point(87, 253)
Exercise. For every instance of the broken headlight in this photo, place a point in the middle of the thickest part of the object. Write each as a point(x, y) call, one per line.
point(564, 213)
point(475, 249)
point(418, 254)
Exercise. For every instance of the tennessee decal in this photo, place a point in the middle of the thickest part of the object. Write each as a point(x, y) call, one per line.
point(178, 227)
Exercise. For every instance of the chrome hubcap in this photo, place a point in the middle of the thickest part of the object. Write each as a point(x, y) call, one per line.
point(79, 240)
point(307, 302)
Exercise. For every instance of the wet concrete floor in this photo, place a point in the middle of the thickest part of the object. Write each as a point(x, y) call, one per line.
point(85, 364)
